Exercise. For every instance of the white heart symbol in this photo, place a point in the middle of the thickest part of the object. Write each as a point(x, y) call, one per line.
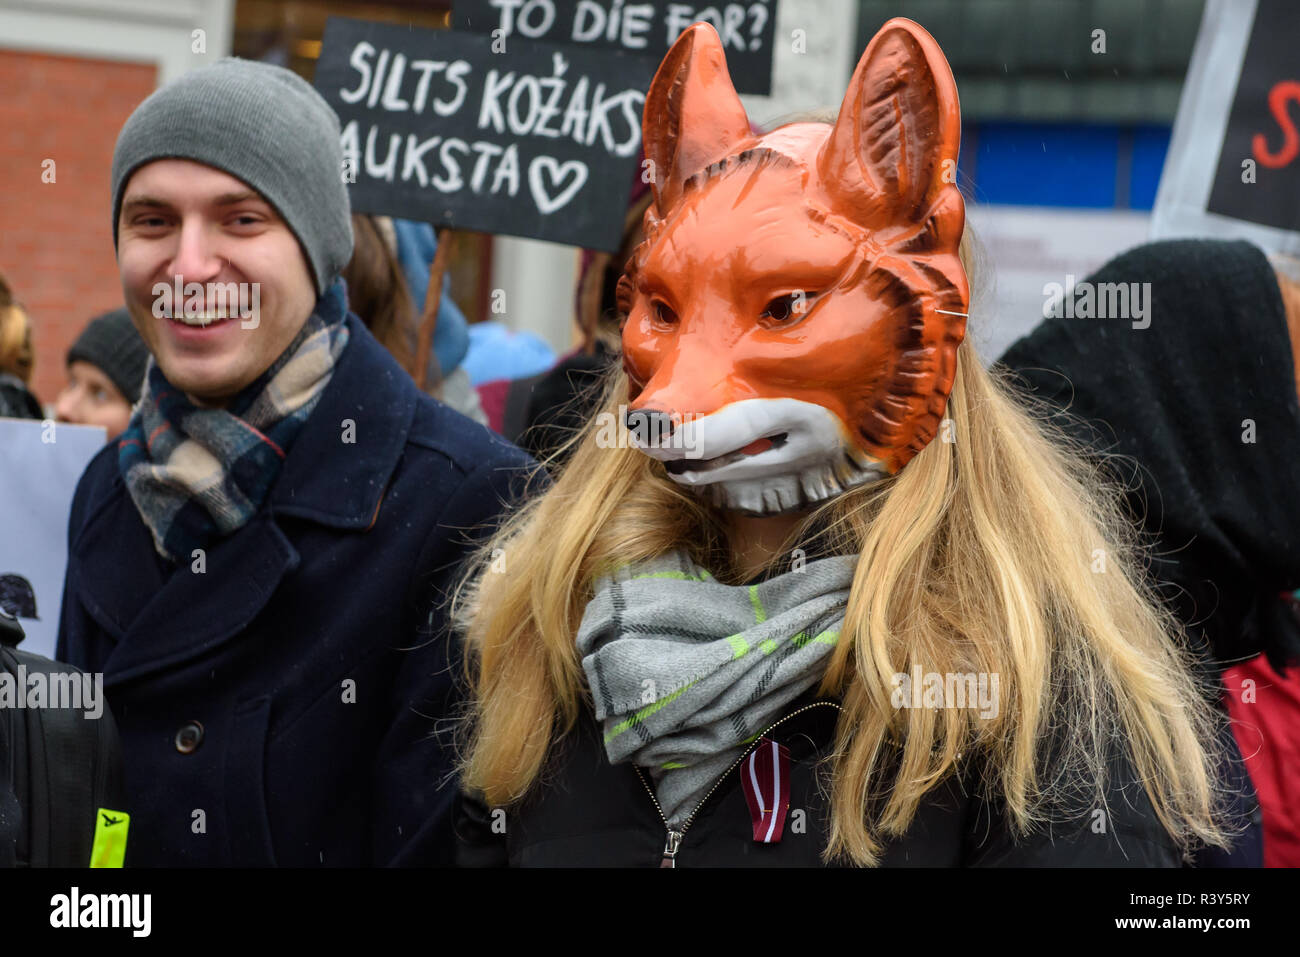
point(559, 172)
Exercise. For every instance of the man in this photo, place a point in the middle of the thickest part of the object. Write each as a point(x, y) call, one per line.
point(258, 565)
point(105, 371)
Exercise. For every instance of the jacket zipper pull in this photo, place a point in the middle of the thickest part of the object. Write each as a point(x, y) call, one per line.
point(670, 849)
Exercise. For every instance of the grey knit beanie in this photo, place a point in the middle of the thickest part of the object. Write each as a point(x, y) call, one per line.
point(110, 343)
point(264, 125)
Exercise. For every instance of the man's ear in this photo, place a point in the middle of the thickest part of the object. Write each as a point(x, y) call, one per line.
point(693, 116)
point(892, 155)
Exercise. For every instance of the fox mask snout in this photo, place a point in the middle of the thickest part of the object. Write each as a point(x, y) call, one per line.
point(797, 304)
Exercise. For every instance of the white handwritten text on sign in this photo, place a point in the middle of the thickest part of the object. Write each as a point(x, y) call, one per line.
point(647, 28)
point(492, 142)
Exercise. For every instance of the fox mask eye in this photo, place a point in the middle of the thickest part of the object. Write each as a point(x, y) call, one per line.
point(782, 311)
point(664, 313)
point(787, 309)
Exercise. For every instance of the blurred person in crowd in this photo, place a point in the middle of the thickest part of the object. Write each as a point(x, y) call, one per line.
point(378, 292)
point(726, 633)
point(16, 360)
point(257, 566)
point(105, 372)
point(417, 244)
point(498, 352)
point(543, 412)
point(1198, 413)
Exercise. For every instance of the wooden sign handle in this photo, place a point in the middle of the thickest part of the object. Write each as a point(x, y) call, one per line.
point(432, 299)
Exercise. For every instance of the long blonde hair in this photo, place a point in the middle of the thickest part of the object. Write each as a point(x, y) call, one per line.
point(998, 550)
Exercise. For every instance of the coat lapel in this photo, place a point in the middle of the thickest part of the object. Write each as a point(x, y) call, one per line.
point(192, 612)
point(111, 586)
point(340, 466)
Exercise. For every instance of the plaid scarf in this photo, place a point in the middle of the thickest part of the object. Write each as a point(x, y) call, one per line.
point(685, 671)
point(196, 474)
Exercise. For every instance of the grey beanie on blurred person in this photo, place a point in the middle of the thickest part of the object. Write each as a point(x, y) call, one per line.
point(110, 343)
point(264, 125)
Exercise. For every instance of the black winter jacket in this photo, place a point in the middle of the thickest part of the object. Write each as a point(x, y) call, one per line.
point(16, 400)
point(589, 813)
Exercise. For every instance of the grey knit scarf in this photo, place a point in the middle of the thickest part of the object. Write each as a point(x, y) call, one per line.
point(685, 671)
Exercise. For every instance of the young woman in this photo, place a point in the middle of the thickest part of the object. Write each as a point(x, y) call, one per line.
point(836, 598)
point(16, 360)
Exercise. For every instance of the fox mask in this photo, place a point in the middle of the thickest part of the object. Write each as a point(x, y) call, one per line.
point(793, 315)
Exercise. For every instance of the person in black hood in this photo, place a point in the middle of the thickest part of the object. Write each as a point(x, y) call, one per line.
point(1195, 404)
point(1203, 406)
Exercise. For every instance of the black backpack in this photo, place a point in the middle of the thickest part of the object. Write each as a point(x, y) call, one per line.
point(60, 772)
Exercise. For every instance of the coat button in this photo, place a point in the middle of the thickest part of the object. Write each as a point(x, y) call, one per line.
point(189, 737)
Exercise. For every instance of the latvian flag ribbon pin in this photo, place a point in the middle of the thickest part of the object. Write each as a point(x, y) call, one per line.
point(765, 775)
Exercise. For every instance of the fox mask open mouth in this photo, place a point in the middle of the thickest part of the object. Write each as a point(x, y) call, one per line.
point(794, 313)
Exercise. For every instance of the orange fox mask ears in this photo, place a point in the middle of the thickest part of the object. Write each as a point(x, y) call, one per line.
point(794, 312)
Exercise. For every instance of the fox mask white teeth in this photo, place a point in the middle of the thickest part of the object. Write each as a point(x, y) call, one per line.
point(801, 455)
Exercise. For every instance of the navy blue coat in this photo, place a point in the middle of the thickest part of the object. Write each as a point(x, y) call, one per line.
point(280, 706)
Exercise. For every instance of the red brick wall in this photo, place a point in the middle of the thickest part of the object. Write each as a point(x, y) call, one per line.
point(56, 240)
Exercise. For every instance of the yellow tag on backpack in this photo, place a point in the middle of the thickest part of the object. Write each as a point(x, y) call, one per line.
point(109, 849)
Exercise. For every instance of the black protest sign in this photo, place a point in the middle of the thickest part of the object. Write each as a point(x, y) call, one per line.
point(539, 142)
point(1258, 175)
point(643, 28)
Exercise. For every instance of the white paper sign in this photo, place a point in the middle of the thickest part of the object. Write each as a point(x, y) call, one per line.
point(40, 465)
